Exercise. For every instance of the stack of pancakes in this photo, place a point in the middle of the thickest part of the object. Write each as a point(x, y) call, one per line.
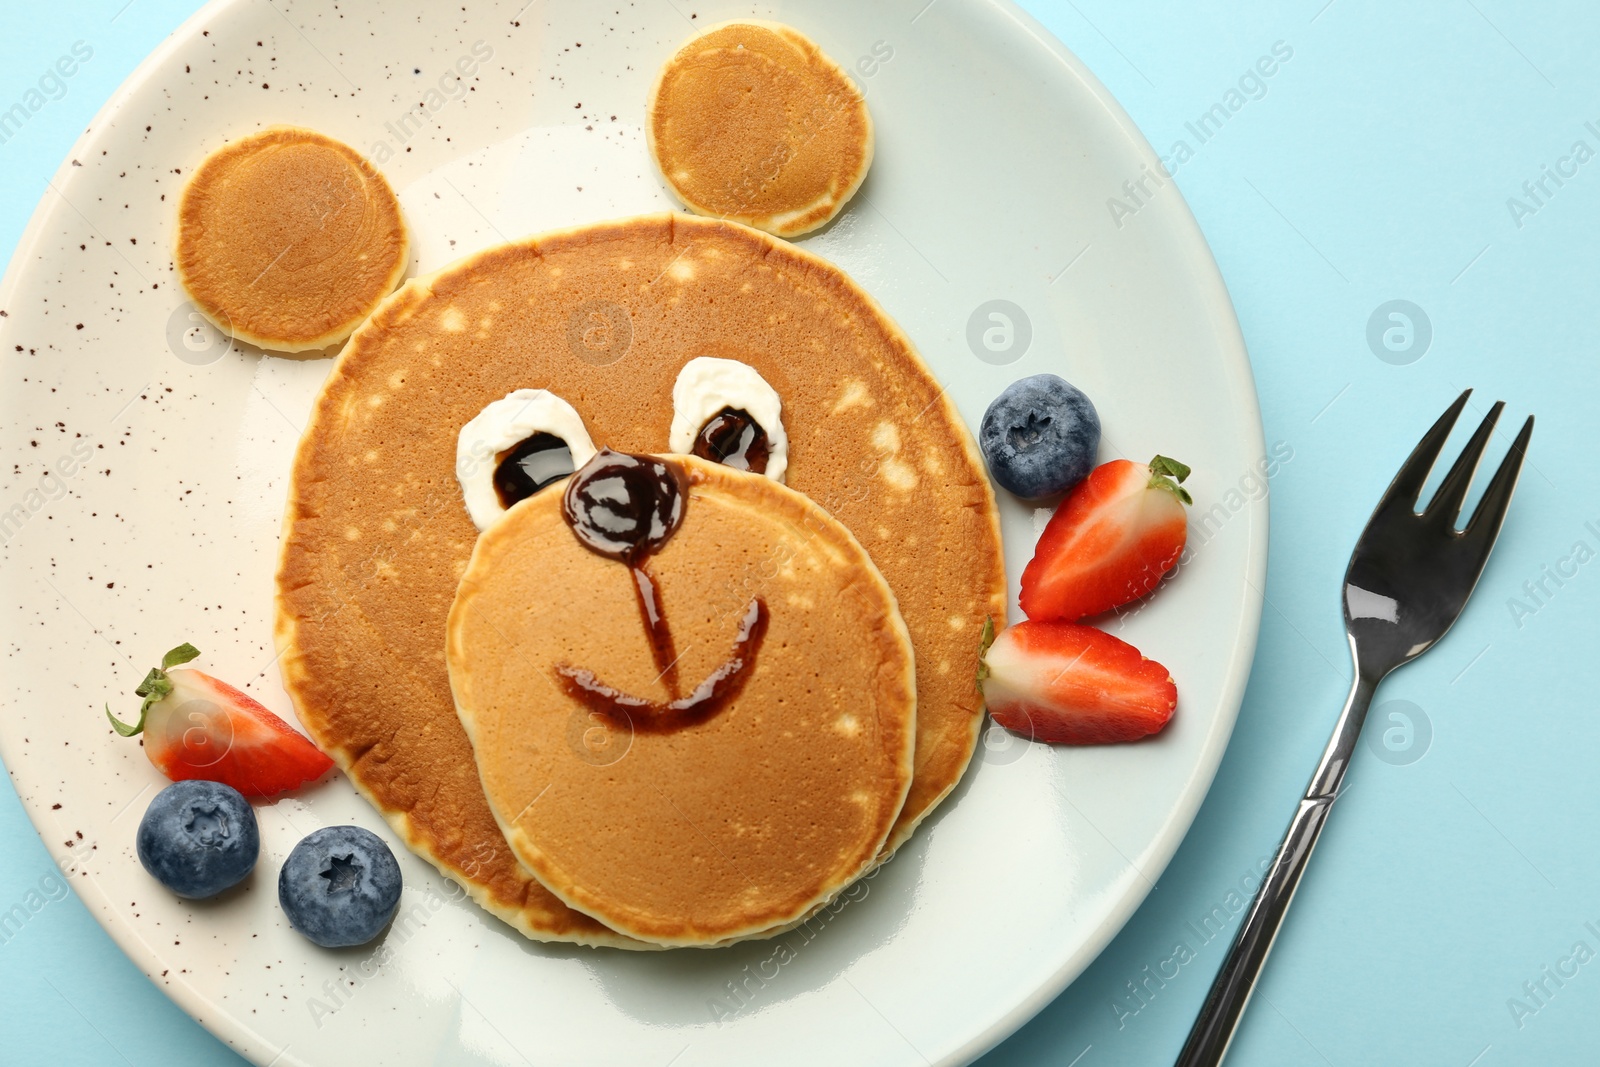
point(719, 829)
point(880, 561)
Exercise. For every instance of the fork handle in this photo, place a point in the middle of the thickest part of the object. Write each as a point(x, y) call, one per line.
point(1214, 1028)
point(1230, 992)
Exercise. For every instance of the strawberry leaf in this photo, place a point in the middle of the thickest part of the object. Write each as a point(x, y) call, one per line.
point(155, 687)
point(186, 652)
point(1159, 465)
point(1163, 469)
point(123, 728)
point(155, 684)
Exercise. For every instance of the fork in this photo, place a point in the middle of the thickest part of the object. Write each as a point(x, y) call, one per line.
point(1408, 579)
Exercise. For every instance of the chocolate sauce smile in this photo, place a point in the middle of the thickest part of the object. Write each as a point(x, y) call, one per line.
point(625, 507)
point(708, 698)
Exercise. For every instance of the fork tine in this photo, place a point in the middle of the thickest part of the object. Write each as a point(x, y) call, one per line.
point(1486, 520)
point(1407, 484)
point(1446, 503)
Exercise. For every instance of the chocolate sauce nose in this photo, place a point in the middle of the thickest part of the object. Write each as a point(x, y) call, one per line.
point(624, 507)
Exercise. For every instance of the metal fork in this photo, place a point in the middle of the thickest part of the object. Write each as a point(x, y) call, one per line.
point(1408, 579)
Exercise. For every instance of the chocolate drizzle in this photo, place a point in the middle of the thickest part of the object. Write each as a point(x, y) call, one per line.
point(625, 507)
point(655, 620)
point(708, 698)
point(734, 439)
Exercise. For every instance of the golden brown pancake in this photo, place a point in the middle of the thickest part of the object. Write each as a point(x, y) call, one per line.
point(376, 536)
point(288, 239)
point(750, 121)
point(705, 831)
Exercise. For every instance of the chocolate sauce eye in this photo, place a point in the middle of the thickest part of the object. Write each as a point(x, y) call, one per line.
point(529, 466)
point(734, 439)
point(624, 507)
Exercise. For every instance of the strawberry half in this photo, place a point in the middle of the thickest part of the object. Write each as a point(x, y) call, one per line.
point(1111, 540)
point(195, 726)
point(1069, 684)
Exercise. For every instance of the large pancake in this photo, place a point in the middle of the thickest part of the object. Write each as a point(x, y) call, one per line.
point(376, 537)
point(751, 121)
point(717, 829)
point(288, 239)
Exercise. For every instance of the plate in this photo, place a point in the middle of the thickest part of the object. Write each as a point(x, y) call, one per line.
point(1014, 222)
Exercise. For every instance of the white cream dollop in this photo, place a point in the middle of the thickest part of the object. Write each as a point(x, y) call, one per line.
point(503, 424)
point(706, 385)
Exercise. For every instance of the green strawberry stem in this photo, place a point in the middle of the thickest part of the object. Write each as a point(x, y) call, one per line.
point(156, 686)
point(1163, 470)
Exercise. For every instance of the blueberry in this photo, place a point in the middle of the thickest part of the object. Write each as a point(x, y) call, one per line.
point(1040, 436)
point(198, 838)
point(340, 886)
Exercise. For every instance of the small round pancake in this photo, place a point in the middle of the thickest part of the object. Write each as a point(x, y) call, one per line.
point(289, 239)
point(377, 537)
point(710, 831)
point(750, 121)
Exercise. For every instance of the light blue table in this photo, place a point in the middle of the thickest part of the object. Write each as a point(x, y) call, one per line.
point(1385, 160)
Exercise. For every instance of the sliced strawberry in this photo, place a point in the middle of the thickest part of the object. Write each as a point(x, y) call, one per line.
point(196, 726)
point(1111, 540)
point(1069, 684)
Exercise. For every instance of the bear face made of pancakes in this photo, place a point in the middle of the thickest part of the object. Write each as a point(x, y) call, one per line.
point(605, 317)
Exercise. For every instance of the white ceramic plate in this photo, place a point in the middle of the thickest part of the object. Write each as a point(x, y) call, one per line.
point(145, 466)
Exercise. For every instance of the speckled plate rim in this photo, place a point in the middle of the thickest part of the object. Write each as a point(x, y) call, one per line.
point(203, 1009)
point(1207, 277)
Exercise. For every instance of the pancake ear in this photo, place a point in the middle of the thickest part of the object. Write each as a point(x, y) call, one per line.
point(724, 411)
point(516, 446)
